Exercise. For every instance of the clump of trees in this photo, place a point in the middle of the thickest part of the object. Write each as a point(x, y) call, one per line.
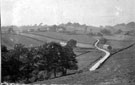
point(23, 64)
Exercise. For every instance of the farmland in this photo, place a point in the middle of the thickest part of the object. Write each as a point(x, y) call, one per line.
point(32, 39)
point(85, 61)
point(114, 41)
point(68, 42)
point(65, 37)
point(37, 38)
point(43, 37)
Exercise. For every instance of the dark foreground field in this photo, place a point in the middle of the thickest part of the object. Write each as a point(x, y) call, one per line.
point(119, 69)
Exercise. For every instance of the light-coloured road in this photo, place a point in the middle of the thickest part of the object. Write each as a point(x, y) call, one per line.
point(107, 54)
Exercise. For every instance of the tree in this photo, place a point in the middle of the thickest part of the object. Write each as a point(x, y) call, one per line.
point(11, 64)
point(58, 58)
point(4, 61)
point(69, 57)
point(55, 51)
point(29, 64)
point(103, 40)
point(69, 23)
point(71, 43)
point(40, 24)
point(4, 48)
point(68, 60)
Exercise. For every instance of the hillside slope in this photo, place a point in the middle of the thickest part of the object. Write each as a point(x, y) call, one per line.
point(119, 69)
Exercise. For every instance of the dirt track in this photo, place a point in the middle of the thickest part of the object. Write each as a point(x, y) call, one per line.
point(107, 54)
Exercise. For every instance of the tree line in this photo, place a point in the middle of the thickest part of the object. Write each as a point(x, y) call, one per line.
point(30, 64)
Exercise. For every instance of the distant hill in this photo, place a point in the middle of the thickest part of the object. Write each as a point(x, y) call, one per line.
point(77, 27)
point(125, 27)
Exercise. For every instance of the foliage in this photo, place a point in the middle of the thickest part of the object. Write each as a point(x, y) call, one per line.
point(103, 40)
point(37, 63)
point(72, 43)
point(4, 48)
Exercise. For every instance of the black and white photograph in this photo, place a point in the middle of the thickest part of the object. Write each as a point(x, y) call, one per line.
point(67, 42)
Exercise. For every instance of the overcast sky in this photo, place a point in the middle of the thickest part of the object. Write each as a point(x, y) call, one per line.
point(90, 12)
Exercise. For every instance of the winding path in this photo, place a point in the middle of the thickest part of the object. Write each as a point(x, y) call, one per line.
point(95, 66)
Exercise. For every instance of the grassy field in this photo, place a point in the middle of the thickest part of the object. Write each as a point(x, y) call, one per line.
point(87, 60)
point(57, 37)
point(119, 69)
point(118, 44)
point(10, 40)
point(115, 41)
point(63, 36)
point(42, 38)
